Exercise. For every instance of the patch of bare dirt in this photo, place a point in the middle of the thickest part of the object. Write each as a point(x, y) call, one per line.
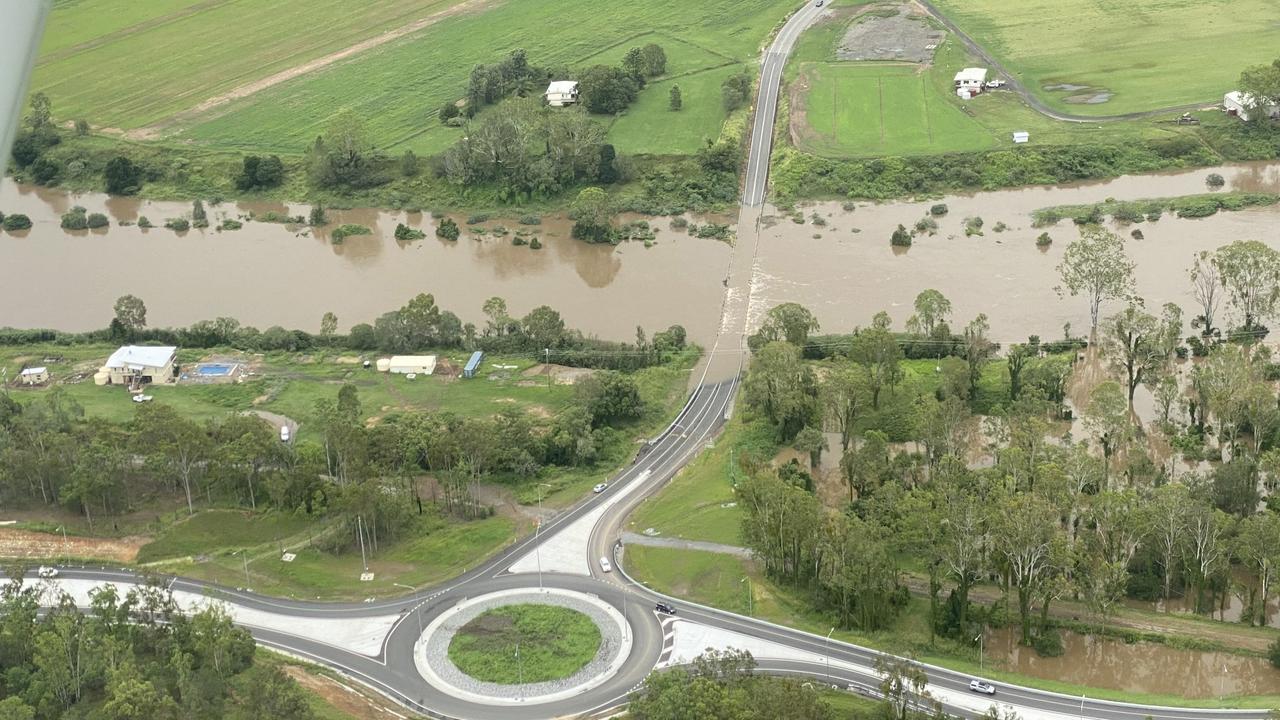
point(28, 544)
point(153, 131)
point(352, 701)
point(560, 374)
point(907, 35)
point(497, 496)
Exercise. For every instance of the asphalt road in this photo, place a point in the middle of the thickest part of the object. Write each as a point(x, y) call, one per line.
point(393, 671)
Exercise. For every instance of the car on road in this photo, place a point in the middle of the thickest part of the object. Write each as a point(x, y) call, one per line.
point(141, 398)
point(818, 3)
point(665, 608)
point(995, 84)
point(604, 564)
point(600, 487)
point(45, 571)
point(284, 433)
point(979, 686)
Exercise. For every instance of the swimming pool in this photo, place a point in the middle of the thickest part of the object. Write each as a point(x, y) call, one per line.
point(215, 369)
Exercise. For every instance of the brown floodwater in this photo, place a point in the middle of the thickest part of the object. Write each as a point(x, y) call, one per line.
point(1138, 668)
point(272, 274)
point(846, 277)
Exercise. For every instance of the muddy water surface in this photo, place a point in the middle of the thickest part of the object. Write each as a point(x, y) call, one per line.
point(271, 274)
point(846, 277)
point(1137, 668)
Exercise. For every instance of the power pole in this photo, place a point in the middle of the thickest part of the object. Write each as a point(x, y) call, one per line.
point(364, 561)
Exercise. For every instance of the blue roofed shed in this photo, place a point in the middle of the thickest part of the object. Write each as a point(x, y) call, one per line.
point(473, 364)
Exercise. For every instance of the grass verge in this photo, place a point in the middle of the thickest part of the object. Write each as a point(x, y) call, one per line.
point(525, 644)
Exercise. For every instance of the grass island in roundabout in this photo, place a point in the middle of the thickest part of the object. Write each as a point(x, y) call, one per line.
point(525, 643)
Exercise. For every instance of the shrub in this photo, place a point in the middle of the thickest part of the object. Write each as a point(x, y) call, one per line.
point(1273, 653)
point(1048, 643)
point(1044, 240)
point(143, 222)
point(122, 176)
point(1153, 216)
point(535, 244)
point(97, 220)
point(478, 218)
point(43, 171)
point(938, 210)
point(1214, 180)
point(972, 226)
point(317, 216)
point(818, 220)
point(178, 224)
point(346, 230)
point(530, 220)
point(448, 229)
point(16, 221)
point(849, 206)
point(735, 91)
point(82, 127)
point(517, 240)
point(75, 219)
point(926, 225)
point(1128, 213)
point(999, 226)
point(448, 111)
point(1136, 234)
point(900, 237)
point(227, 224)
point(258, 172)
point(679, 223)
point(404, 232)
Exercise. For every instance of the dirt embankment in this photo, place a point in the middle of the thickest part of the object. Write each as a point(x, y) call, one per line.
point(31, 545)
point(352, 701)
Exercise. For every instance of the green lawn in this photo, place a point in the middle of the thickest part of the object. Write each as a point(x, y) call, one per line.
point(398, 87)
point(1149, 53)
point(212, 530)
point(525, 644)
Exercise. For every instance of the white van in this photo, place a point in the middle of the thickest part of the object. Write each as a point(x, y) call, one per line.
point(605, 565)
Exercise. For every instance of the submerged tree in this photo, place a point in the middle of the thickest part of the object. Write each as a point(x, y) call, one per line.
point(1097, 267)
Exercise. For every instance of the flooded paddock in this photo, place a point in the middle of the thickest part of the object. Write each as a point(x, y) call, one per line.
point(275, 274)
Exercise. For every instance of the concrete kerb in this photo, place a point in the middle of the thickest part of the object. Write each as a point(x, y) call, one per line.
point(431, 661)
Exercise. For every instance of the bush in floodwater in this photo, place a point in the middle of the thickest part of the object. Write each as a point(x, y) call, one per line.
point(535, 244)
point(178, 224)
point(1136, 234)
point(448, 229)
point(530, 220)
point(16, 221)
point(818, 220)
point(317, 217)
point(849, 206)
point(900, 237)
point(1000, 227)
point(679, 223)
point(517, 240)
point(478, 218)
point(144, 223)
point(926, 225)
point(938, 210)
point(404, 232)
point(1214, 180)
point(1044, 240)
point(97, 220)
point(346, 230)
point(972, 226)
point(75, 219)
point(227, 224)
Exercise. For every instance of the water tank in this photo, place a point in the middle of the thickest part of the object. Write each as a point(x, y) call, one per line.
point(384, 364)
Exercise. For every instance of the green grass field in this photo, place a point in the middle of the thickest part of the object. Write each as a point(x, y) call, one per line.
point(525, 644)
point(1149, 53)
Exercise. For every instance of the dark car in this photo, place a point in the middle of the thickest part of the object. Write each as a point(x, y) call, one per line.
point(665, 609)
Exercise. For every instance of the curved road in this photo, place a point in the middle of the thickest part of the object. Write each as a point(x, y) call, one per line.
point(374, 643)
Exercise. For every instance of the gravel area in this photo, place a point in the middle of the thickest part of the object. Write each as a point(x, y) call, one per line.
point(904, 36)
point(437, 646)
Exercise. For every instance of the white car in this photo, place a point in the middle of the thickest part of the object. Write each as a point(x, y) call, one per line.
point(979, 686)
point(600, 487)
point(45, 571)
point(284, 433)
point(605, 565)
point(993, 84)
point(141, 398)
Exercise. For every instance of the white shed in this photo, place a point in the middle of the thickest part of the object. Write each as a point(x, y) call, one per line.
point(973, 78)
point(1240, 103)
point(562, 92)
point(1021, 137)
point(34, 376)
point(416, 364)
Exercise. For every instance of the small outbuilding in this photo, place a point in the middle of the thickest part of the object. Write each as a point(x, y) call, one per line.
point(1240, 104)
point(1021, 137)
point(473, 364)
point(562, 92)
point(136, 365)
point(34, 376)
point(972, 79)
point(411, 364)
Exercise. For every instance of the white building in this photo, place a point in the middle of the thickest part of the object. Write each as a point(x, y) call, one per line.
point(34, 376)
point(1240, 103)
point(416, 364)
point(135, 365)
point(972, 79)
point(562, 92)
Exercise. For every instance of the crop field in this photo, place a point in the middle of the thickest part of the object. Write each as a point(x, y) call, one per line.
point(846, 109)
point(126, 64)
point(1147, 54)
point(398, 87)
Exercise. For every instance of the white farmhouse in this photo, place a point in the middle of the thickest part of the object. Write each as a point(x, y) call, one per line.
point(34, 376)
point(135, 365)
point(562, 92)
point(972, 79)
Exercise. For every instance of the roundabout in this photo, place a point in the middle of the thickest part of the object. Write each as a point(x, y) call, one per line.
point(473, 630)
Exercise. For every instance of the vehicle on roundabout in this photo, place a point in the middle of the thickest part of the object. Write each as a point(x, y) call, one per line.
point(979, 686)
point(665, 608)
point(605, 565)
point(45, 571)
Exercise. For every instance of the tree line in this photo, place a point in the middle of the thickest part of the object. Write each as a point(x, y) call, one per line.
point(131, 657)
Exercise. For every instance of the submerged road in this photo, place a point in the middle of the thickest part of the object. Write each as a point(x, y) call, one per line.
point(379, 643)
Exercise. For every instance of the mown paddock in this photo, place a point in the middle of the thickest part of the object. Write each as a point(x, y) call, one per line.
point(1149, 53)
point(398, 87)
point(169, 56)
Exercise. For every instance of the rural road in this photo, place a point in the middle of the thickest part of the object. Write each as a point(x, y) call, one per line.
point(378, 643)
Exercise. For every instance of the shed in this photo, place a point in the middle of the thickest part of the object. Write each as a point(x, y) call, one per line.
point(973, 78)
point(1021, 136)
point(473, 364)
point(562, 92)
point(415, 364)
point(34, 376)
point(134, 365)
point(1241, 103)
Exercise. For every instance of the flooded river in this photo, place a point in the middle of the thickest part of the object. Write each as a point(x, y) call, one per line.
point(271, 274)
point(846, 277)
point(1138, 668)
point(268, 274)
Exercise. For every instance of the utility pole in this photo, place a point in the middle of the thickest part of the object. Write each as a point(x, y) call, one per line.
point(537, 529)
point(364, 561)
point(416, 608)
point(519, 665)
point(66, 555)
point(244, 557)
point(547, 353)
point(980, 638)
point(751, 610)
